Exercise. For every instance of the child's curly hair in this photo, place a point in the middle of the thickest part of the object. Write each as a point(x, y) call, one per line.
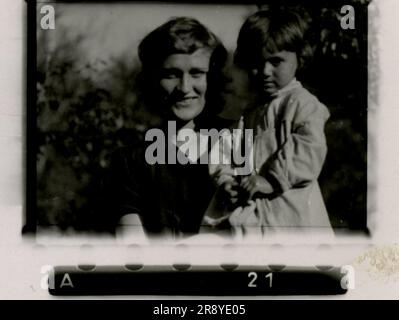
point(272, 30)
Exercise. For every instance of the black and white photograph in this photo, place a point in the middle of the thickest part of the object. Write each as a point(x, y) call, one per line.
point(191, 119)
point(247, 148)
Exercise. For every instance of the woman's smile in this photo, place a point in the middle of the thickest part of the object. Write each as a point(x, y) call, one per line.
point(185, 101)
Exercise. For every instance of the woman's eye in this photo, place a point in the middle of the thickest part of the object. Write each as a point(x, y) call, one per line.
point(275, 63)
point(169, 74)
point(197, 74)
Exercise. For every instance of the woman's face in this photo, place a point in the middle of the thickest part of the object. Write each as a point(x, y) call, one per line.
point(184, 83)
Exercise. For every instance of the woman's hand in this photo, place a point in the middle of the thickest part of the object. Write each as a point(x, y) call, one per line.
point(256, 183)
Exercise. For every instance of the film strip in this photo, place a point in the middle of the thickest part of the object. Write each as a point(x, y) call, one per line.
point(89, 114)
point(187, 280)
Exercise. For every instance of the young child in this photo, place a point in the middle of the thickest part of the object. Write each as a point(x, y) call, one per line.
point(288, 130)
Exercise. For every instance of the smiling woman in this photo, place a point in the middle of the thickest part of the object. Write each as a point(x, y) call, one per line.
point(181, 76)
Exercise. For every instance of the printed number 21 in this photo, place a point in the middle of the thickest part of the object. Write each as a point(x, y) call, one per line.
point(254, 276)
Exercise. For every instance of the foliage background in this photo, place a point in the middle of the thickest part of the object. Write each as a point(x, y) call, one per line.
point(88, 103)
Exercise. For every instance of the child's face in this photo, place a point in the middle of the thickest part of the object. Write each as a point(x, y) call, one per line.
point(274, 71)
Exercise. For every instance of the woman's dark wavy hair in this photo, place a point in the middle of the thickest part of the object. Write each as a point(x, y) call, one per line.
point(275, 29)
point(181, 35)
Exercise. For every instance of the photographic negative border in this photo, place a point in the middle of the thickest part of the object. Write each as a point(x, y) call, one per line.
point(283, 249)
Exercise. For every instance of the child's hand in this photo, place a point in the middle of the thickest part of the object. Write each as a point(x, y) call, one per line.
point(256, 183)
point(229, 188)
point(224, 179)
point(222, 174)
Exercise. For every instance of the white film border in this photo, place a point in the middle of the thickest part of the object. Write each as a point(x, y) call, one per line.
point(313, 251)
